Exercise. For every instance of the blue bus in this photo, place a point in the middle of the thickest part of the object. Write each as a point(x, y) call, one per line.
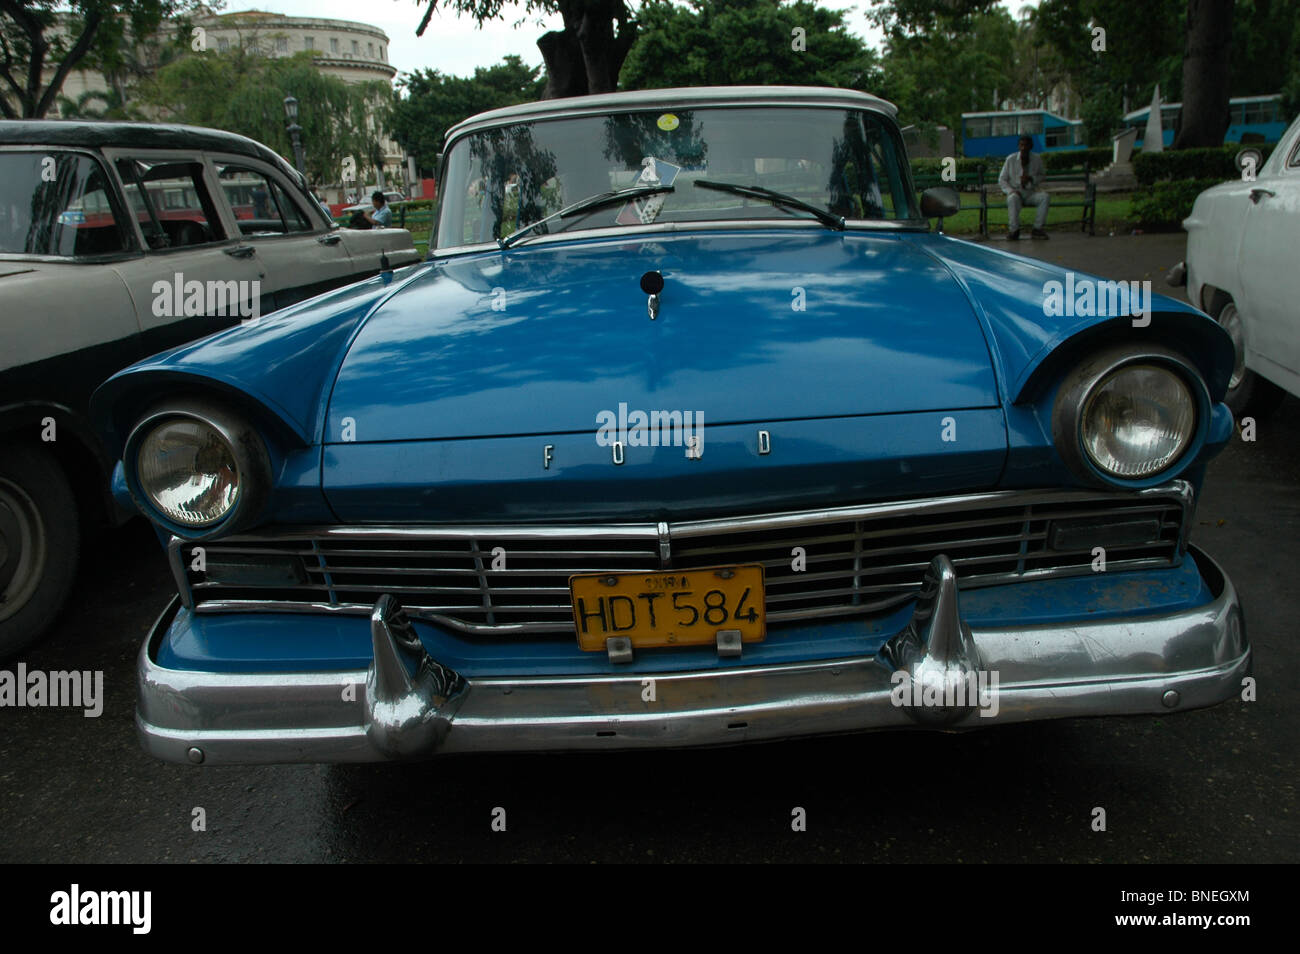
point(1258, 115)
point(998, 133)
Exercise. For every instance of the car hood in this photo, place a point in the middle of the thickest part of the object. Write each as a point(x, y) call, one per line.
point(752, 327)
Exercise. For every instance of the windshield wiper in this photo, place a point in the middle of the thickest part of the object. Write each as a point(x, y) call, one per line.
point(584, 205)
point(776, 198)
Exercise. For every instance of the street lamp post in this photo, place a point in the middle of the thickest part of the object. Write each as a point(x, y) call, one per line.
point(295, 131)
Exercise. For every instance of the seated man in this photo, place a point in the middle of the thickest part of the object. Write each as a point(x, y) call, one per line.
point(1021, 176)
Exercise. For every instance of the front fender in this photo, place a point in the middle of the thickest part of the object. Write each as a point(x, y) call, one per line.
point(279, 368)
point(1010, 295)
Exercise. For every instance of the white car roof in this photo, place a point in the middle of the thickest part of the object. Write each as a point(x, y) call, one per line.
point(676, 98)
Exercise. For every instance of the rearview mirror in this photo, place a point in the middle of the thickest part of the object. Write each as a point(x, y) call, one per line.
point(940, 202)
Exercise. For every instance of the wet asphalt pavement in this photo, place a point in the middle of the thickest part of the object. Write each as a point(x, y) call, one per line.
point(1214, 785)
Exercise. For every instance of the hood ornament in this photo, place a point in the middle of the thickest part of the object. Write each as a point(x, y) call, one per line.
point(652, 283)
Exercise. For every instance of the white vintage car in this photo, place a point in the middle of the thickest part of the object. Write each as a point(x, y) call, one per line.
point(119, 240)
point(1243, 268)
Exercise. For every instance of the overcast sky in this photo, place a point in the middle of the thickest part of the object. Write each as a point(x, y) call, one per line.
point(456, 45)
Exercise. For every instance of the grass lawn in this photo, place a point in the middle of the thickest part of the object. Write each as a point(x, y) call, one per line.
point(1112, 213)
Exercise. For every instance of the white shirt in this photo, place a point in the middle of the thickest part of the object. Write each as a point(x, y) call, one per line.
point(1009, 179)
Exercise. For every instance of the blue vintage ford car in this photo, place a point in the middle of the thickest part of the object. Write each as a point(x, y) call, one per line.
point(689, 431)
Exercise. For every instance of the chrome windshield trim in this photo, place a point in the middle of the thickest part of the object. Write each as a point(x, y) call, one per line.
point(618, 233)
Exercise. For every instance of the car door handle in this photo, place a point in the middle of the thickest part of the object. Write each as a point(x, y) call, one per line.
point(240, 251)
point(330, 239)
point(1257, 194)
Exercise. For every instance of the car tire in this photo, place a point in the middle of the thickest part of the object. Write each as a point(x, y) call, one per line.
point(40, 537)
point(1249, 395)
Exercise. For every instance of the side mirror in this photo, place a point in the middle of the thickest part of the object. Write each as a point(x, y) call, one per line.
point(940, 202)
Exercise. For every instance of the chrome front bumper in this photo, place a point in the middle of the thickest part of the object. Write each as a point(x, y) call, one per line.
point(408, 706)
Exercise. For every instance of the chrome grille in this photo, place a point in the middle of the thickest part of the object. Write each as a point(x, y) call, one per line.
point(857, 560)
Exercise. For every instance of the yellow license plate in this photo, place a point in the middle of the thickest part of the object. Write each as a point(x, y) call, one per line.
point(682, 608)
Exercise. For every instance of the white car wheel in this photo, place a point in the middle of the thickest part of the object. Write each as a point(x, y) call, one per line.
point(1248, 395)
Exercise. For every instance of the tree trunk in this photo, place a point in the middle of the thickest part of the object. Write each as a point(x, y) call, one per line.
point(587, 55)
point(566, 74)
point(1205, 118)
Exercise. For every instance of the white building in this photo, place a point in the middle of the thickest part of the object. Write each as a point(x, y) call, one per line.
point(352, 51)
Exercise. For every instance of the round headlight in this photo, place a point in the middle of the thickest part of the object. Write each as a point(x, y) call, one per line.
point(189, 472)
point(1137, 421)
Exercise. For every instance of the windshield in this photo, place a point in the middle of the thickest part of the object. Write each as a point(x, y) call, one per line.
point(847, 162)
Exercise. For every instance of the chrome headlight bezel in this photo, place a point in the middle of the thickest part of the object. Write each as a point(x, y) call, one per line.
point(1075, 399)
point(248, 453)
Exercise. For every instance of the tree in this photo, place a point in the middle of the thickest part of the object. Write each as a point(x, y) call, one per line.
point(1205, 117)
point(1265, 46)
point(1143, 47)
point(69, 34)
point(584, 57)
point(83, 107)
point(945, 57)
point(763, 42)
point(433, 102)
point(243, 91)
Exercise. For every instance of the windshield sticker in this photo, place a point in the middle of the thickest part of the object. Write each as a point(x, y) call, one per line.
point(668, 122)
point(646, 209)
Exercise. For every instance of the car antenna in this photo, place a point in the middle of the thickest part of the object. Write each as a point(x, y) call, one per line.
point(384, 265)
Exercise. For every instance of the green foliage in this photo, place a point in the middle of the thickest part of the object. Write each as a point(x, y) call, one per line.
point(433, 102)
point(93, 104)
point(1097, 158)
point(1215, 163)
point(42, 41)
point(942, 59)
point(1102, 113)
point(1144, 46)
point(712, 42)
point(244, 92)
point(1166, 204)
point(1265, 55)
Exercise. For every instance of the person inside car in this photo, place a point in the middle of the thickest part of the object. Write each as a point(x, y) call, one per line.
point(382, 216)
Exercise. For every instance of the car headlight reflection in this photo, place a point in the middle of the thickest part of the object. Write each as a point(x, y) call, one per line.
point(1137, 421)
point(189, 472)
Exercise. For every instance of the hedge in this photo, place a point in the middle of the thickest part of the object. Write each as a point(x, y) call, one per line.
point(1097, 159)
point(1213, 162)
point(1166, 204)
